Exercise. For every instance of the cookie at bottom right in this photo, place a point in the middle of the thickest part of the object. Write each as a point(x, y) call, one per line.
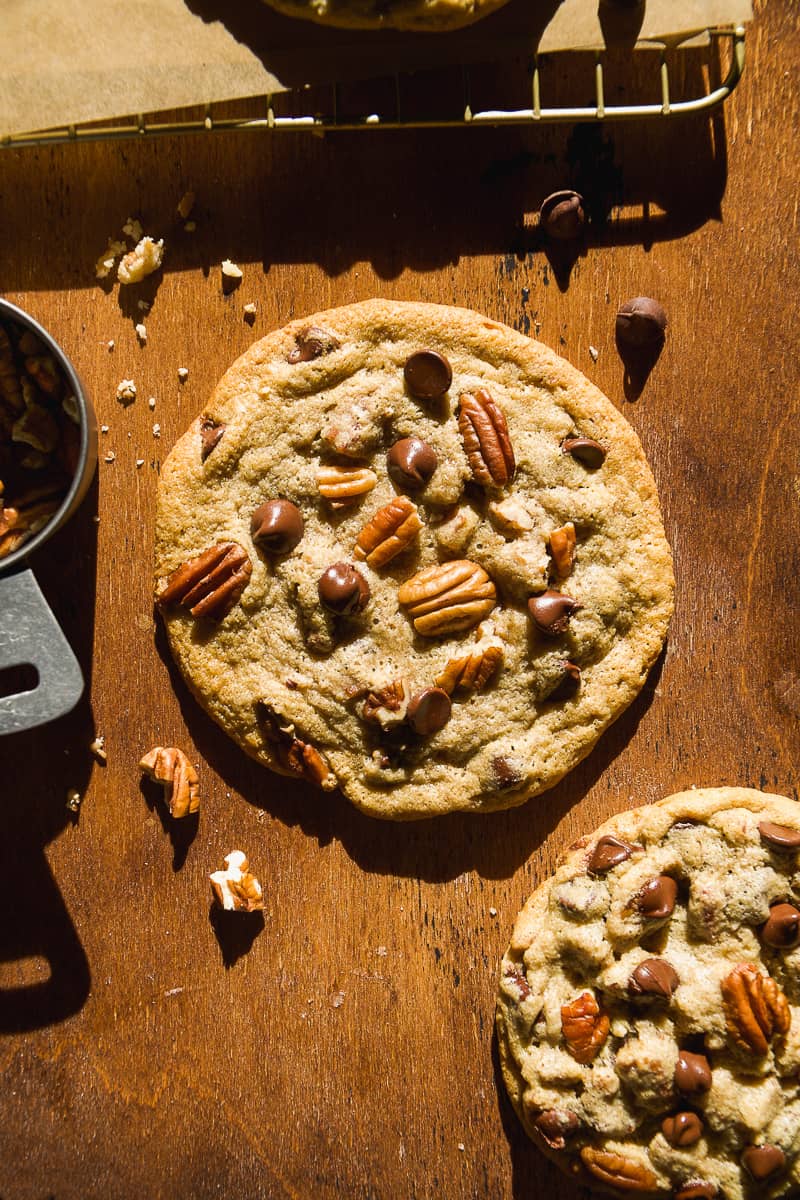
point(648, 1018)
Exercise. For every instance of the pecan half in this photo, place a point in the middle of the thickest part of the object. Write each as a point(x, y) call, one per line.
point(210, 584)
point(562, 547)
point(311, 343)
point(616, 1171)
point(386, 705)
point(389, 533)
point(447, 597)
point(170, 767)
point(585, 1027)
point(295, 756)
point(236, 889)
point(470, 673)
point(210, 433)
point(343, 485)
point(755, 1008)
point(485, 435)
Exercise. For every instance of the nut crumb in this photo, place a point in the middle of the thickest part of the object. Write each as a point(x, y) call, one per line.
point(146, 257)
point(230, 269)
point(183, 374)
point(98, 748)
point(110, 457)
point(185, 205)
point(126, 391)
point(594, 353)
point(171, 768)
point(235, 889)
point(141, 332)
point(156, 430)
point(73, 800)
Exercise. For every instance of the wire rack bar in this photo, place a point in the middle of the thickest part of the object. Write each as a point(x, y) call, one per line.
point(320, 124)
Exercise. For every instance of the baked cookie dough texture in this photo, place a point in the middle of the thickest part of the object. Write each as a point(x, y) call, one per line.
point(649, 1010)
point(417, 16)
point(456, 576)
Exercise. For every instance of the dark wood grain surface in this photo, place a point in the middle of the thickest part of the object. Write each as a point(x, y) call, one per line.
point(344, 1046)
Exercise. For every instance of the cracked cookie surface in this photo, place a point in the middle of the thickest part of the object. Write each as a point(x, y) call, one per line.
point(410, 552)
point(649, 1010)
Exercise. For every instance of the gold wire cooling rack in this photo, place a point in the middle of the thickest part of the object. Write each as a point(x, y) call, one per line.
point(269, 112)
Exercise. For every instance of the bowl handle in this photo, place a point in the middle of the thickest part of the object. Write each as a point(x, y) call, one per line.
point(31, 636)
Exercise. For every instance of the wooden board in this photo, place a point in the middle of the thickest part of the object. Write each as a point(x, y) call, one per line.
point(345, 1047)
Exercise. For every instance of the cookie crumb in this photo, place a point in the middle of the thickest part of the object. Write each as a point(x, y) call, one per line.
point(141, 332)
point(143, 305)
point(185, 205)
point(492, 912)
point(337, 1000)
point(594, 353)
point(249, 312)
point(381, 952)
point(156, 430)
point(107, 260)
point(230, 269)
point(190, 226)
point(104, 428)
point(461, 1147)
point(73, 800)
point(110, 344)
point(110, 457)
point(140, 462)
point(126, 391)
point(98, 748)
point(183, 374)
point(145, 258)
point(151, 403)
point(133, 229)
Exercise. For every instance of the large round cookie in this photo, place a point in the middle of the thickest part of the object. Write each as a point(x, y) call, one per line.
point(419, 16)
point(649, 1010)
point(540, 486)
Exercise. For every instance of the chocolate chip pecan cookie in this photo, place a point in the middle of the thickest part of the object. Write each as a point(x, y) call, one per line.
point(649, 1011)
point(411, 553)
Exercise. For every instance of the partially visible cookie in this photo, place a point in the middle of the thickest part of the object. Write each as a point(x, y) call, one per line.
point(418, 16)
point(408, 552)
point(649, 1011)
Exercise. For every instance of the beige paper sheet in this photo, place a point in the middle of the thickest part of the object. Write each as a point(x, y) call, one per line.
point(86, 60)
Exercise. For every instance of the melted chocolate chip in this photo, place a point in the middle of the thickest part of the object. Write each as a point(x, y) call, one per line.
point(656, 899)
point(312, 343)
point(696, 1190)
point(692, 1073)
point(779, 837)
point(609, 852)
point(343, 590)
point(428, 375)
point(551, 612)
point(429, 711)
point(277, 526)
point(504, 775)
point(763, 1161)
point(782, 930)
point(586, 450)
point(682, 1129)
point(555, 1127)
point(562, 215)
point(654, 977)
point(641, 322)
point(411, 463)
point(568, 684)
point(210, 434)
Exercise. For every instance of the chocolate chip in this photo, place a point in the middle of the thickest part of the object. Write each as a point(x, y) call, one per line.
point(569, 683)
point(277, 526)
point(782, 930)
point(551, 612)
point(210, 433)
point(779, 837)
point(428, 375)
point(683, 1129)
point(555, 1127)
point(562, 215)
point(656, 899)
point(429, 711)
point(641, 322)
point(692, 1073)
point(654, 977)
point(696, 1190)
point(763, 1161)
point(343, 589)
point(411, 463)
point(609, 852)
point(312, 343)
point(504, 775)
point(586, 450)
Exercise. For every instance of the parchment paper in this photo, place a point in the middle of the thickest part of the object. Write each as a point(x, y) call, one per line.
point(87, 60)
